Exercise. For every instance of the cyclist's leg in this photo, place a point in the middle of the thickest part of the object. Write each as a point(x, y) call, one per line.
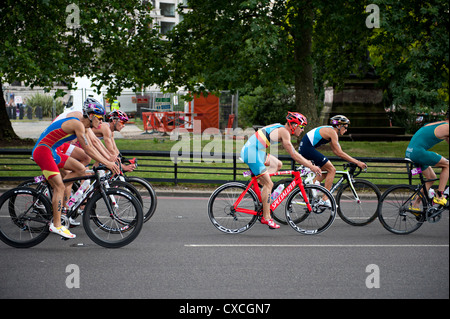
point(330, 170)
point(443, 178)
point(80, 155)
point(273, 164)
point(75, 169)
point(267, 185)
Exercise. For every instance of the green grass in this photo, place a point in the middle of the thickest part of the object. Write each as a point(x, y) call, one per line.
point(356, 149)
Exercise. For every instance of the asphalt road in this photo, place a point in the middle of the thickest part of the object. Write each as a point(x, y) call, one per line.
point(180, 255)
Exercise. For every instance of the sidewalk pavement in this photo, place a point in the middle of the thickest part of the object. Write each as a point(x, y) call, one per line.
point(33, 129)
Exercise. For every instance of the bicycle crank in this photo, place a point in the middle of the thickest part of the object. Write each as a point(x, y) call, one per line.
point(434, 215)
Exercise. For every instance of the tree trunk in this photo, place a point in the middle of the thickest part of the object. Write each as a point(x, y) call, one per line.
point(305, 100)
point(6, 131)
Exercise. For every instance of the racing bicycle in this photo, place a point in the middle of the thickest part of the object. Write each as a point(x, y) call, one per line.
point(235, 207)
point(405, 208)
point(112, 217)
point(356, 199)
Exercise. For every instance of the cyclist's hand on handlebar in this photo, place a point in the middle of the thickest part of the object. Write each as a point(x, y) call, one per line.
point(316, 170)
point(362, 165)
point(113, 167)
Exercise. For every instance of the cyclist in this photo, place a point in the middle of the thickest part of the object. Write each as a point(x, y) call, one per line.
point(418, 152)
point(323, 135)
point(262, 164)
point(99, 148)
point(50, 160)
point(116, 123)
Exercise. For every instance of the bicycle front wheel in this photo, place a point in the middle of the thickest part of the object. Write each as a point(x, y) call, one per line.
point(24, 217)
point(358, 204)
point(113, 221)
point(148, 195)
point(316, 220)
point(221, 210)
point(401, 209)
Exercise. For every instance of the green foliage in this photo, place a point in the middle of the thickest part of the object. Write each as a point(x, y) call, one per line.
point(47, 103)
point(410, 53)
point(264, 106)
point(114, 44)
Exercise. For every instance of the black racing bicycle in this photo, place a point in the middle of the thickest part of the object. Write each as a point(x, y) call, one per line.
point(404, 208)
point(112, 217)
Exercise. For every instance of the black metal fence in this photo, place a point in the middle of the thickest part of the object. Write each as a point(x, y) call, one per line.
point(196, 168)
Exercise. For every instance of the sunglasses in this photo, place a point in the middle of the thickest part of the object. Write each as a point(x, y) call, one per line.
point(100, 117)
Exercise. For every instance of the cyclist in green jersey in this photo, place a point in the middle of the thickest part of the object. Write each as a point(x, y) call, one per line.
point(418, 151)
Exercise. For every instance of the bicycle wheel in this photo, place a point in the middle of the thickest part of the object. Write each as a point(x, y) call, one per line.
point(279, 214)
point(321, 216)
point(395, 209)
point(361, 211)
point(128, 187)
point(24, 217)
point(148, 195)
point(222, 214)
point(113, 221)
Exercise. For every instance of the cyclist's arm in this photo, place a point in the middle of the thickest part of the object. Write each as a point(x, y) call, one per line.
point(80, 132)
point(286, 142)
point(98, 145)
point(108, 138)
point(337, 150)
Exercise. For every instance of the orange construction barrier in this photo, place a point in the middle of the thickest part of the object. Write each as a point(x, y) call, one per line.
point(168, 121)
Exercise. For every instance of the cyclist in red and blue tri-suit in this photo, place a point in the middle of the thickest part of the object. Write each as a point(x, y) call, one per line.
point(50, 160)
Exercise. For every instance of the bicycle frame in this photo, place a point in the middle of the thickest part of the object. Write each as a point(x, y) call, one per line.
point(254, 184)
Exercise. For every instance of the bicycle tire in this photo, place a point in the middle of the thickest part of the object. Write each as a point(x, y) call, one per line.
point(313, 222)
point(279, 214)
point(128, 187)
point(394, 209)
point(353, 212)
point(103, 228)
point(220, 210)
point(24, 217)
point(148, 194)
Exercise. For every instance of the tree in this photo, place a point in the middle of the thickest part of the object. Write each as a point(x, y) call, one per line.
point(410, 53)
point(44, 42)
point(229, 45)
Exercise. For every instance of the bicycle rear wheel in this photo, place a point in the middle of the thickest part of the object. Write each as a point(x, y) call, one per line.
point(148, 195)
point(24, 217)
point(361, 211)
point(396, 212)
point(222, 214)
point(113, 221)
point(313, 222)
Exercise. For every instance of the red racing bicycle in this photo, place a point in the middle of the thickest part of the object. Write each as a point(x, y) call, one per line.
point(235, 207)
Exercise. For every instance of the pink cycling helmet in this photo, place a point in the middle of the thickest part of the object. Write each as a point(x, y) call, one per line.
point(118, 115)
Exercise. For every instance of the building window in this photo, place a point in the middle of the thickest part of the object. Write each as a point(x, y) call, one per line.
point(167, 9)
point(166, 26)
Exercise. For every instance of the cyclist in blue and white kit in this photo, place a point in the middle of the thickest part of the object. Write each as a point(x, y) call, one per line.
point(323, 135)
point(262, 164)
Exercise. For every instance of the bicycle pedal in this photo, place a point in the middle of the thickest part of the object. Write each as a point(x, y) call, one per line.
point(64, 238)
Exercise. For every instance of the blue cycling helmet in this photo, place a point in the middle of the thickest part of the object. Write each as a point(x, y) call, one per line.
point(93, 106)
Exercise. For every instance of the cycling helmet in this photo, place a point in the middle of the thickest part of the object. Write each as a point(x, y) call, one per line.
point(118, 115)
point(297, 118)
point(91, 105)
point(339, 120)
